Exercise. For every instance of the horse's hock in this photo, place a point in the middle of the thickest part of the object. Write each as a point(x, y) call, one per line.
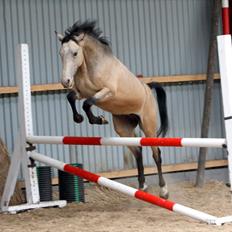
point(18, 196)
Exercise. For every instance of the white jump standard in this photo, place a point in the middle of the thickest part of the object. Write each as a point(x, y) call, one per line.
point(25, 153)
point(19, 156)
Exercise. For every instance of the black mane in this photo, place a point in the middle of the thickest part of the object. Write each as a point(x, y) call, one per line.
point(87, 27)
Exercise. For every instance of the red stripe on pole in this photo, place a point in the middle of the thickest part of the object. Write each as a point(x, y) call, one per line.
point(154, 200)
point(81, 173)
point(82, 140)
point(175, 142)
point(226, 21)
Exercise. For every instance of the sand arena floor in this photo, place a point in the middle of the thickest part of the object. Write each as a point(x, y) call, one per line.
point(108, 211)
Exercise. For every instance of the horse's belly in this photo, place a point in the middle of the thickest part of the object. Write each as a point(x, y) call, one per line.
point(118, 107)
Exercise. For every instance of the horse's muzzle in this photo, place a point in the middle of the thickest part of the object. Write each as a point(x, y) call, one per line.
point(67, 83)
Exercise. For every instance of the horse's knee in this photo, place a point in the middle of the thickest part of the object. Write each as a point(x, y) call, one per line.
point(71, 96)
point(85, 106)
point(88, 103)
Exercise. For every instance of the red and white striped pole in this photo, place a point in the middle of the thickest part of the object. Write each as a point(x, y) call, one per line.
point(129, 141)
point(141, 195)
point(225, 17)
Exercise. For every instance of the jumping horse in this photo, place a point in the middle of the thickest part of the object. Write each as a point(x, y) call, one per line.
point(92, 72)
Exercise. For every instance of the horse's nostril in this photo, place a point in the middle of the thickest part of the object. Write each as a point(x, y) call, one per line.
point(66, 82)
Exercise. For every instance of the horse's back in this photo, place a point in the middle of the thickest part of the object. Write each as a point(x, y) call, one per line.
point(130, 93)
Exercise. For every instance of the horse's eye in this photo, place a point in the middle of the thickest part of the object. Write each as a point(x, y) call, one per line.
point(75, 54)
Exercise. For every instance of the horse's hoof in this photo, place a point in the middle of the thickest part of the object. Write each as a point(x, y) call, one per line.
point(78, 118)
point(144, 188)
point(103, 120)
point(166, 196)
point(164, 192)
point(98, 120)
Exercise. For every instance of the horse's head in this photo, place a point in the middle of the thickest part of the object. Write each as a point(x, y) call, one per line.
point(72, 58)
point(76, 37)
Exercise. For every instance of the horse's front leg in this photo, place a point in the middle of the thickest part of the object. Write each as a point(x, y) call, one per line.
point(72, 97)
point(101, 95)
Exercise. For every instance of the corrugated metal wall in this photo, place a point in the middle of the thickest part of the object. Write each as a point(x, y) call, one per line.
point(152, 37)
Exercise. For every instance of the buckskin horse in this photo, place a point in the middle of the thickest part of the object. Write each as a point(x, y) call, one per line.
point(92, 72)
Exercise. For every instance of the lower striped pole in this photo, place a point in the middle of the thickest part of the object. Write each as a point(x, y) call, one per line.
point(129, 141)
point(144, 196)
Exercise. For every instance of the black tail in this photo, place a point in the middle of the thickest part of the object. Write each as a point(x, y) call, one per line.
point(161, 99)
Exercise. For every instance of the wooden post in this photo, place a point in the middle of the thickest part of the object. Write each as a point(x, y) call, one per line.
point(208, 90)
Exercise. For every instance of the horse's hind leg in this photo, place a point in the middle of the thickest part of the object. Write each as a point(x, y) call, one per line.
point(78, 118)
point(163, 186)
point(148, 125)
point(124, 126)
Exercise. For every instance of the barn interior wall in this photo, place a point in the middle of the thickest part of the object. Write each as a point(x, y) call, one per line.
point(151, 37)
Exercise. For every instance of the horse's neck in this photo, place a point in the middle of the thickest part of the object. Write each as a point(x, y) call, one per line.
point(82, 71)
point(95, 55)
point(87, 71)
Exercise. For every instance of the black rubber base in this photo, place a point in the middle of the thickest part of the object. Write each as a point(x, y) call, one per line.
point(45, 183)
point(71, 188)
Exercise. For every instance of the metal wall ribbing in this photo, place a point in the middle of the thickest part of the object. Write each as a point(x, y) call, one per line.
point(152, 37)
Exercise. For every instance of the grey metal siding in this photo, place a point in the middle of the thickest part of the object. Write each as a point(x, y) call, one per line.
point(160, 37)
point(152, 37)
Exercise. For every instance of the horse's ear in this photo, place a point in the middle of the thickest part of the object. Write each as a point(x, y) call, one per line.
point(80, 37)
point(60, 36)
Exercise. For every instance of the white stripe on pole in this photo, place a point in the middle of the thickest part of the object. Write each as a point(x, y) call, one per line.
point(117, 186)
point(47, 160)
point(45, 139)
point(203, 142)
point(123, 141)
point(194, 213)
point(225, 3)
